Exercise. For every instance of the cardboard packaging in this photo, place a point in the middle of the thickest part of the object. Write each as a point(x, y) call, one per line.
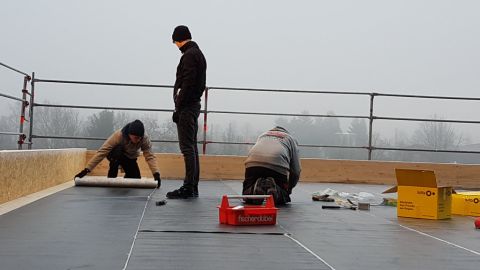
point(419, 195)
point(466, 203)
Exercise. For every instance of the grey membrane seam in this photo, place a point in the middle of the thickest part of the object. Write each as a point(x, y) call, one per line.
point(289, 236)
point(441, 240)
point(427, 235)
point(138, 228)
point(211, 232)
point(309, 251)
point(106, 196)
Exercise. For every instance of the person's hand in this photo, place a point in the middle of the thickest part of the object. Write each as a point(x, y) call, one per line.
point(156, 176)
point(175, 116)
point(82, 173)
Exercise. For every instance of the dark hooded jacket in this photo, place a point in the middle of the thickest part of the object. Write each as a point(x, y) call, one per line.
point(191, 76)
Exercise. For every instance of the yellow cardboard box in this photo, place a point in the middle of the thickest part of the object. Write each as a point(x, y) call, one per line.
point(466, 203)
point(419, 196)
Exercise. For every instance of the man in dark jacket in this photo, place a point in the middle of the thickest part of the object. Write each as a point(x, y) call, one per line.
point(122, 149)
point(188, 89)
point(272, 166)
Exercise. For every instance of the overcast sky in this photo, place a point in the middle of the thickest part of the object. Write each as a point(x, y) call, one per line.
point(422, 47)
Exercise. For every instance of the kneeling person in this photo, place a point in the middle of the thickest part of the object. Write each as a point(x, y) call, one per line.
point(122, 149)
point(272, 166)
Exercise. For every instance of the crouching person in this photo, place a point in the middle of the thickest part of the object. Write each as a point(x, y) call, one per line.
point(122, 149)
point(272, 166)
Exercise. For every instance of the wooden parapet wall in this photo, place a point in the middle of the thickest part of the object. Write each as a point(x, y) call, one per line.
point(313, 170)
point(24, 172)
point(172, 166)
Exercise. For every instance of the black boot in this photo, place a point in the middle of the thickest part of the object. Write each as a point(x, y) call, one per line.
point(182, 193)
point(195, 191)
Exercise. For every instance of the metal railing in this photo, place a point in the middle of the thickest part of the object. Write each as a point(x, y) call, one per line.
point(206, 112)
point(21, 135)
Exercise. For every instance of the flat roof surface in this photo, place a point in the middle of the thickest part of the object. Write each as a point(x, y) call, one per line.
point(118, 228)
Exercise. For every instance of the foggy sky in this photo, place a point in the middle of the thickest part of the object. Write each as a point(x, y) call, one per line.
point(425, 47)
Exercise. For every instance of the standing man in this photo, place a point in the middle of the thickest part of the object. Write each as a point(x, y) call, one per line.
point(272, 166)
point(188, 89)
point(122, 149)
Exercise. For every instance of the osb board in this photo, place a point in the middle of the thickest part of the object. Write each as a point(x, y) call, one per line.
point(376, 172)
point(172, 166)
point(27, 171)
point(313, 170)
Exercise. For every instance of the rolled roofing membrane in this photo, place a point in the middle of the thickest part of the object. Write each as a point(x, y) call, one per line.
point(99, 181)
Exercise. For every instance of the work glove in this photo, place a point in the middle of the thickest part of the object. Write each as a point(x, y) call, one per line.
point(82, 173)
point(156, 176)
point(175, 116)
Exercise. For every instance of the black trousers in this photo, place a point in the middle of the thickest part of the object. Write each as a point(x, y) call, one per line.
point(187, 129)
point(117, 158)
point(252, 174)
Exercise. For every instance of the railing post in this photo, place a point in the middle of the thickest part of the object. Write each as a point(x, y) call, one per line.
point(21, 136)
point(370, 127)
point(30, 112)
point(204, 148)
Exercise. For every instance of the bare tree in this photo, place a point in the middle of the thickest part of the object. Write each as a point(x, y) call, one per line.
point(436, 136)
point(358, 127)
point(99, 125)
point(10, 123)
point(56, 122)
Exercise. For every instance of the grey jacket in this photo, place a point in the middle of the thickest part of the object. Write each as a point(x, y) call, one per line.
point(276, 150)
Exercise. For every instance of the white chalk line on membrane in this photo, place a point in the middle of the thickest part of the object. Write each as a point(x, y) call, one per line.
point(138, 228)
point(428, 235)
point(309, 250)
point(439, 239)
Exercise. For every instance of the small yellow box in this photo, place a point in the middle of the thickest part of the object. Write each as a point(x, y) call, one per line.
point(419, 196)
point(466, 203)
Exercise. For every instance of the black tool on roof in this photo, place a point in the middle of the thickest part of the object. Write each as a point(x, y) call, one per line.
point(338, 207)
point(161, 202)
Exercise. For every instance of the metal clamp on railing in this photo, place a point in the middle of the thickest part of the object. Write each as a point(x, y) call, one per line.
point(21, 139)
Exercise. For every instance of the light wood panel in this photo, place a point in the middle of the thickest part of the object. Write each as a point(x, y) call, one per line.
point(313, 170)
point(27, 171)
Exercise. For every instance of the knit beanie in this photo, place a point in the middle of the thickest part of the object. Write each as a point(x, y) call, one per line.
point(136, 128)
point(181, 33)
point(279, 128)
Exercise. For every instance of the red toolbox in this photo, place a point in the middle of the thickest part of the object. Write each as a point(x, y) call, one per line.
point(248, 214)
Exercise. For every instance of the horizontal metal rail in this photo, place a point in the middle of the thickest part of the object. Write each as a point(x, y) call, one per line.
point(102, 107)
point(300, 145)
point(288, 91)
point(14, 69)
point(68, 137)
point(202, 111)
point(10, 133)
point(199, 142)
point(423, 96)
point(333, 146)
point(232, 143)
point(371, 117)
point(289, 114)
point(255, 89)
point(426, 120)
point(104, 83)
point(89, 138)
point(11, 97)
point(425, 150)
